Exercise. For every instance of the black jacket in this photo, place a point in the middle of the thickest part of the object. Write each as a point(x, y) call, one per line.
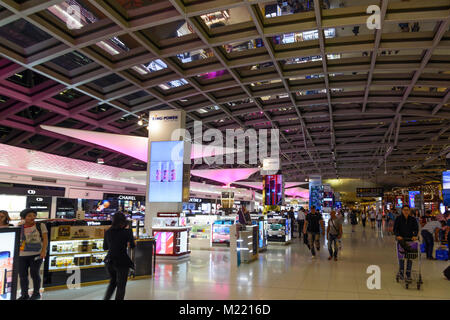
point(116, 242)
point(406, 228)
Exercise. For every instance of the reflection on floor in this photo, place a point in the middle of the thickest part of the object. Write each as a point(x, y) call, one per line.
point(283, 272)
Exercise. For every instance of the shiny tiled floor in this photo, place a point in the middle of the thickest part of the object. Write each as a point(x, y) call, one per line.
point(283, 272)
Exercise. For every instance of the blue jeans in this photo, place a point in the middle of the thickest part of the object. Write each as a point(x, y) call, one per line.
point(429, 243)
point(313, 237)
point(401, 263)
point(332, 238)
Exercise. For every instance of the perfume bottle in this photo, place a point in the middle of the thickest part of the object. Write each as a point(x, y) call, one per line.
point(165, 171)
point(172, 175)
point(158, 175)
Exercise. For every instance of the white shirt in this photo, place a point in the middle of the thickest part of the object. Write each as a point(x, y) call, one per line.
point(432, 226)
point(379, 216)
point(372, 215)
point(301, 215)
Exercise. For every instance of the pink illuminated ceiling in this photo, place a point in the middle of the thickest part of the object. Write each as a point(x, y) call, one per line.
point(133, 146)
point(225, 176)
point(297, 193)
point(259, 185)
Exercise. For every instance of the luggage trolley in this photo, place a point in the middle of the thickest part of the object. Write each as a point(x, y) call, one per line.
point(412, 255)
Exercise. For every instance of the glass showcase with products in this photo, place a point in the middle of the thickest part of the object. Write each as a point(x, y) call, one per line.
point(221, 231)
point(75, 243)
point(279, 229)
point(171, 234)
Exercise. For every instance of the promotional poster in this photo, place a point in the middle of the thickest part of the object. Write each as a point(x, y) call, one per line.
point(7, 252)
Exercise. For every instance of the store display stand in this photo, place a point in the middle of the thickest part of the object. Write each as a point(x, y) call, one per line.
point(248, 240)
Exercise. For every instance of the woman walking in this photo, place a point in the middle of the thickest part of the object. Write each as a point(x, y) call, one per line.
point(117, 239)
point(372, 215)
point(353, 220)
point(363, 219)
point(379, 220)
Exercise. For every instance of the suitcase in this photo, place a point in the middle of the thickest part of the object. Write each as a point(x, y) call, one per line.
point(447, 273)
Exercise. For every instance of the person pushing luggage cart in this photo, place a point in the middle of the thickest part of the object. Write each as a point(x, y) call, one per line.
point(408, 248)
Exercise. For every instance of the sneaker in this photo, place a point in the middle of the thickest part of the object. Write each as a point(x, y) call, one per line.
point(335, 258)
point(313, 256)
point(329, 258)
point(35, 296)
point(27, 297)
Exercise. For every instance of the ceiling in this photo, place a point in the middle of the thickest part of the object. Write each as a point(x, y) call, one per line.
point(349, 102)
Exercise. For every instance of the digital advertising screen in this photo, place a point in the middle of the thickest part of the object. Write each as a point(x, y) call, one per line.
point(164, 242)
point(183, 241)
point(399, 202)
point(166, 171)
point(446, 180)
point(273, 190)
point(7, 254)
point(261, 234)
point(411, 195)
point(446, 197)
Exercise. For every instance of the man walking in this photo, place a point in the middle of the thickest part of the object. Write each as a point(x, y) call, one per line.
point(406, 229)
point(301, 222)
point(313, 223)
point(430, 232)
point(291, 216)
point(334, 233)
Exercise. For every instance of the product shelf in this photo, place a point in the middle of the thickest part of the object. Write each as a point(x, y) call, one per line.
point(81, 267)
point(75, 253)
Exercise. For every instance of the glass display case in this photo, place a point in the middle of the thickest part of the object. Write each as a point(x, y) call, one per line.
point(263, 231)
point(171, 234)
point(75, 244)
point(201, 230)
point(279, 229)
point(221, 231)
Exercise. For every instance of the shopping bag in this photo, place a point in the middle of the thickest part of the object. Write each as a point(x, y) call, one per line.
point(422, 247)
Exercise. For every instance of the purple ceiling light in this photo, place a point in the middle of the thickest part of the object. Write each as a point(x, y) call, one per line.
point(225, 176)
point(259, 185)
point(133, 146)
point(297, 193)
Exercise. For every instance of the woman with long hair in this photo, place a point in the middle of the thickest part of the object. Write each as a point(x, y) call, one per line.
point(4, 219)
point(117, 240)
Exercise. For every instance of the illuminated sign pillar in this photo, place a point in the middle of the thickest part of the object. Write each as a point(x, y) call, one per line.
point(168, 167)
point(315, 192)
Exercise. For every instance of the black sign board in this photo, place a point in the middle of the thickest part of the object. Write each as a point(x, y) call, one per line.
point(42, 206)
point(369, 192)
point(30, 190)
point(127, 197)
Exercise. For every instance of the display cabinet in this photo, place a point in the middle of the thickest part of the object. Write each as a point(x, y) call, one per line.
point(75, 244)
point(279, 229)
point(171, 234)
